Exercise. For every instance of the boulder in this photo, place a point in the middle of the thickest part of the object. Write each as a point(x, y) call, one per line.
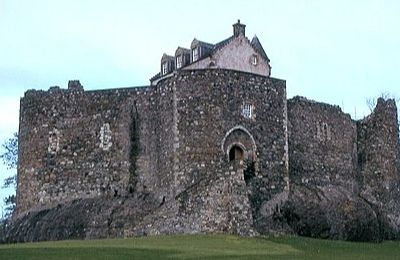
point(336, 213)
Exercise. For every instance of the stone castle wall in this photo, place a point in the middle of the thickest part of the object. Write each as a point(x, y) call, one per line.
point(210, 122)
point(328, 147)
point(162, 140)
point(322, 144)
point(214, 150)
point(378, 147)
point(76, 144)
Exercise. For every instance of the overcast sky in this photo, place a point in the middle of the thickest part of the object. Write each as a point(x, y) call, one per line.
point(339, 52)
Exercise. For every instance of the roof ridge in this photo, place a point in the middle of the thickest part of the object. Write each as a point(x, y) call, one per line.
point(255, 42)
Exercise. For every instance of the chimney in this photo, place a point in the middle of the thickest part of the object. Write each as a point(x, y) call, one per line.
point(238, 29)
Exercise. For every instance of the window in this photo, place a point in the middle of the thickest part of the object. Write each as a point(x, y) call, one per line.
point(164, 68)
point(179, 61)
point(254, 60)
point(323, 131)
point(195, 54)
point(105, 137)
point(247, 111)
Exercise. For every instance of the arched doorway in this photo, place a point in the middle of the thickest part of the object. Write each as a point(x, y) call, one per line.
point(239, 147)
point(236, 153)
point(239, 143)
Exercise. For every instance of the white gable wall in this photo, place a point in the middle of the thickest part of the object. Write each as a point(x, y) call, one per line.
point(236, 55)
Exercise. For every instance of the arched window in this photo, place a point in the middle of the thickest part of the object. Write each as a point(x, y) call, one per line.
point(236, 153)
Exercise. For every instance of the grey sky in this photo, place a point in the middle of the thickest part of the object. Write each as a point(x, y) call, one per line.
point(340, 52)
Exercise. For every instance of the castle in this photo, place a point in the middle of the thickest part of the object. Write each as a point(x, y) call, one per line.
point(213, 139)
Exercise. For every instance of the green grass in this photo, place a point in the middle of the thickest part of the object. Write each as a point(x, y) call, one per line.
point(202, 247)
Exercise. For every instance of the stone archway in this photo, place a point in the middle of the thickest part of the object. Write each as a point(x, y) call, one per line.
point(239, 147)
point(241, 141)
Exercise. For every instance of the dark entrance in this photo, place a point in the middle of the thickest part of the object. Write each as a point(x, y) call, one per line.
point(236, 153)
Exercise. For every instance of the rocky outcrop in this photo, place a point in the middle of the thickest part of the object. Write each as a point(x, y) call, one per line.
point(337, 213)
point(82, 219)
point(217, 205)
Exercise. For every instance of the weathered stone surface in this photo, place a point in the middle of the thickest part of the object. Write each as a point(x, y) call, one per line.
point(170, 141)
point(210, 146)
point(82, 219)
point(332, 212)
point(344, 179)
point(172, 144)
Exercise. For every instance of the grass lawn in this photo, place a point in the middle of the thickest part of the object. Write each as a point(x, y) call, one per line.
point(202, 247)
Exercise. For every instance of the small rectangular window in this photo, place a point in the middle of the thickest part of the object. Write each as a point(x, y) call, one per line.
point(195, 54)
point(247, 110)
point(164, 68)
point(179, 62)
point(254, 60)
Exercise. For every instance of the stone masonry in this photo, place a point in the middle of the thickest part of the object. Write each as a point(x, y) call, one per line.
point(212, 145)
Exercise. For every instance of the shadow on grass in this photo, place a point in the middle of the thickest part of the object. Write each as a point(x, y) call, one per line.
point(85, 253)
point(107, 253)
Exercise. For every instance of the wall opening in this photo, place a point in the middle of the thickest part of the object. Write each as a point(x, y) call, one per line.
point(249, 171)
point(134, 148)
point(236, 153)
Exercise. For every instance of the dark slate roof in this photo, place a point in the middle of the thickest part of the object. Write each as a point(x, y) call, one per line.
point(182, 50)
point(167, 57)
point(196, 42)
point(258, 47)
point(157, 76)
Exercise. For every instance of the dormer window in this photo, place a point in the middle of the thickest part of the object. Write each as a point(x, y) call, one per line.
point(179, 62)
point(195, 54)
point(164, 68)
point(254, 60)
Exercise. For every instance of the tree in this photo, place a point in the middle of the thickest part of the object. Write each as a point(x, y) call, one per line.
point(10, 159)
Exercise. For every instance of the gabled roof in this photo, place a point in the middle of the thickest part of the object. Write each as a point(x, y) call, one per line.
point(196, 42)
point(167, 57)
point(181, 50)
point(222, 43)
point(209, 49)
point(258, 47)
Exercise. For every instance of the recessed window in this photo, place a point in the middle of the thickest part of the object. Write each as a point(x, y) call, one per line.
point(179, 61)
point(254, 60)
point(195, 54)
point(164, 68)
point(247, 110)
